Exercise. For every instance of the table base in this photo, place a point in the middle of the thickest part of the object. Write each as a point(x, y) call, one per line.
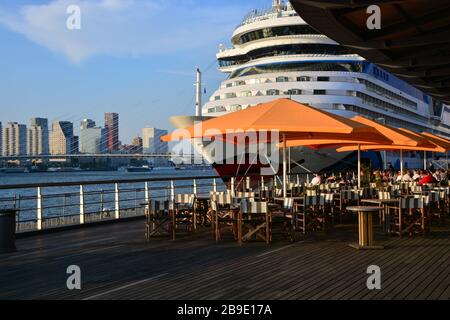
point(360, 247)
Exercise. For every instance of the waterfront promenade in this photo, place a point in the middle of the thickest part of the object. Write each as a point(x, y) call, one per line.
point(117, 263)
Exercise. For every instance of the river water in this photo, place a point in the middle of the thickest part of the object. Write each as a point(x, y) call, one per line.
point(61, 201)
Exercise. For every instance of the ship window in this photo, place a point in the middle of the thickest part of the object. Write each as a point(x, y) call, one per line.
point(323, 78)
point(294, 92)
point(235, 107)
point(303, 78)
point(217, 98)
point(273, 92)
point(230, 95)
point(239, 83)
point(320, 92)
point(259, 94)
point(282, 79)
point(229, 85)
point(246, 94)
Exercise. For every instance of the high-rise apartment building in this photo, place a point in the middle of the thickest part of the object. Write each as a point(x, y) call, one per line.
point(38, 137)
point(112, 125)
point(14, 139)
point(93, 140)
point(62, 138)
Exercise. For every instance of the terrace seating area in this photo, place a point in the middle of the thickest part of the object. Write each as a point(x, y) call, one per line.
point(245, 214)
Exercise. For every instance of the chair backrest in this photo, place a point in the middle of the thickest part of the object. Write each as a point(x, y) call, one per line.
point(328, 198)
point(316, 200)
point(214, 205)
point(349, 195)
point(185, 199)
point(367, 192)
point(416, 189)
point(221, 198)
point(288, 203)
point(412, 203)
point(159, 206)
point(245, 194)
point(253, 207)
point(384, 195)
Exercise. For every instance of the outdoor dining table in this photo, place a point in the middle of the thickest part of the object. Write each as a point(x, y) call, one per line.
point(365, 227)
point(385, 203)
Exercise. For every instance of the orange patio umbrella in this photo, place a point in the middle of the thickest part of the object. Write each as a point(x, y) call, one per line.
point(293, 121)
point(402, 140)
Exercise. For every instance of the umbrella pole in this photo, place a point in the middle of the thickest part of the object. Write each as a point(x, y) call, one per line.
point(289, 164)
point(359, 166)
point(401, 163)
point(284, 166)
point(424, 160)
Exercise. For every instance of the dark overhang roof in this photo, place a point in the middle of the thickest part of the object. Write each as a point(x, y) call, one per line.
point(413, 42)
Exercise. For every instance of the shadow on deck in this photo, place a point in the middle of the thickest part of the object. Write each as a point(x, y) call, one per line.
point(117, 263)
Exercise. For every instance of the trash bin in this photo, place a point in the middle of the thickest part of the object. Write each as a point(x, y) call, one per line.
point(7, 230)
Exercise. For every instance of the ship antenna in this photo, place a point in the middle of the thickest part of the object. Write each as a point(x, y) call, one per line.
point(198, 98)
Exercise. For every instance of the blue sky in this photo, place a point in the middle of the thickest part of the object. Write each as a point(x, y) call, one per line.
point(134, 57)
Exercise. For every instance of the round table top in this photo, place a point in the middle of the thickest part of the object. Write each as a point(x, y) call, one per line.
point(364, 209)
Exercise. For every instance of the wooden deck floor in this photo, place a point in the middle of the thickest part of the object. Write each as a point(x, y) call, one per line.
point(116, 263)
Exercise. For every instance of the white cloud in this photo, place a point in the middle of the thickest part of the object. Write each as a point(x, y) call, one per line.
point(123, 27)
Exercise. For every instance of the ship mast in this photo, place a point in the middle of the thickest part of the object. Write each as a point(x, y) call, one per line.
point(198, 98)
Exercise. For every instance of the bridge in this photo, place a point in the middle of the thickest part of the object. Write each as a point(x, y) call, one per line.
point(100, 156)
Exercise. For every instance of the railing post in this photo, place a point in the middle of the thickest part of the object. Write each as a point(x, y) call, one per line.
point(214, 185)
point(247, 183)
point(195, 186)
point(39, 209)
point(147, 195)
point(298, 180)
point(262, 182)
point(81, 204)
point(101, 202)
point(117, 200)
point(172, 194)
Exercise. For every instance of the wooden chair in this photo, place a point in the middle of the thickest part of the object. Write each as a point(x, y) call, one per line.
point(223, 212)
point(157, 219)
point(312, 217)
point(286, 216)
point(253, 219)
point(183, 213)
point(410, 217)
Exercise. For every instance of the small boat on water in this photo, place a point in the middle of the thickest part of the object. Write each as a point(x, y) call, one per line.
point(133, 169)
point(64, 169)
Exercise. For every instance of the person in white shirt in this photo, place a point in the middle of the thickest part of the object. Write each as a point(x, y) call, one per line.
point(317, 180)
point(405, 177)
point(416, 176)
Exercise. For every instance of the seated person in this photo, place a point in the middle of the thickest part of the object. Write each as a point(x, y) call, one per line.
point(416, 176)
point(317, 180)
point(427, 179)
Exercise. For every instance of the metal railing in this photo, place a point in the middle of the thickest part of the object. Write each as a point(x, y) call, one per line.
point(53, 205)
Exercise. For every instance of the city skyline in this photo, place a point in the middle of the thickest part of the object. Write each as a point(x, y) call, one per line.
point(146, 80)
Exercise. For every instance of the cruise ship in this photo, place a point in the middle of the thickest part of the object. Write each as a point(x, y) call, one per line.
point(275, 54)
